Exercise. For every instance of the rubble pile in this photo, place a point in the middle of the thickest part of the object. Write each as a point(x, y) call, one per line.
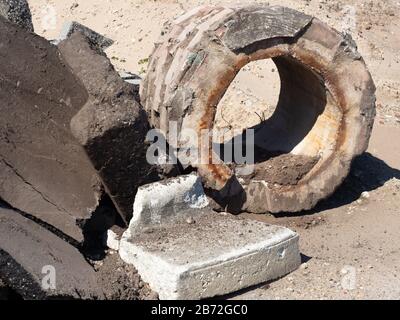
point(74, 173)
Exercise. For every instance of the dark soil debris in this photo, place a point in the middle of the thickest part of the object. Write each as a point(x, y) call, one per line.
point(121, 281)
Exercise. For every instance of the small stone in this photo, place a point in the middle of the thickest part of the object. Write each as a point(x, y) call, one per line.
point(190, 220)
point(365, 195)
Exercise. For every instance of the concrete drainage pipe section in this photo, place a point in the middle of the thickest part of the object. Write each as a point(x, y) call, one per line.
point(325, 112)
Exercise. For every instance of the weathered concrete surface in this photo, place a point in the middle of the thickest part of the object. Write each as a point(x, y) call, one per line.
point(326, 107)
point(161, 203)
point(26, 251)
point(113, 240)
point(43, 169)
point(211, 256)
point(96, 39)
point(112, 126)
point(18, 12)
point(184, 250)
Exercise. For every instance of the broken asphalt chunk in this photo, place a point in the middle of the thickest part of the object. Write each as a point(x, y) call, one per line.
point(18, 12)
point(43, 169)
point(39, 265)
point(112, 126)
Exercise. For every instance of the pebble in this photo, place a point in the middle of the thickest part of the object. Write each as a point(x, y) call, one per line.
point(190, 220)
point(248, 103)
point(365, 195)
point(74, 5)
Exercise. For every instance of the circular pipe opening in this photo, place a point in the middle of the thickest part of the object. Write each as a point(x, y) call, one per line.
point(289, 139)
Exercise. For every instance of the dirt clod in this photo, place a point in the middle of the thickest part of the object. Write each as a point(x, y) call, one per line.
point(121, 281)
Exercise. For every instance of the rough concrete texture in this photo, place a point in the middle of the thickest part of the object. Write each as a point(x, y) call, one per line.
point(326, 107)
point(210, 256)
point(96, 39)
point(161, 203)
point(43, 169)
point(112, 126)
point(18, 12)
point(26, 252)
point(113, 240)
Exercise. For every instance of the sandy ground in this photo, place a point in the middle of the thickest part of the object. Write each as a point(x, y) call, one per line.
point(351, 242)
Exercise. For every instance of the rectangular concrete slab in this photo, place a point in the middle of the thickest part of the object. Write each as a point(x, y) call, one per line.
point(210, 255)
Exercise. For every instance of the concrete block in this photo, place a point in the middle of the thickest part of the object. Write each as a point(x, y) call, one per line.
point(184, 250)
point(18, 12)
point(70, 27)
point(39, 265)
point(163, 202)
point(113, 240)
point(212, 256)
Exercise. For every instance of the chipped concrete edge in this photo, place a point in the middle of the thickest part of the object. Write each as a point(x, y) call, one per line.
point(262, 263)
